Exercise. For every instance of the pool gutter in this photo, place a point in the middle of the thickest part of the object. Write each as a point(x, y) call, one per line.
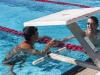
point(76, 69)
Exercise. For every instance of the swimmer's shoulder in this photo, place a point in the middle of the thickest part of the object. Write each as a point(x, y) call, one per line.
point(18, 49)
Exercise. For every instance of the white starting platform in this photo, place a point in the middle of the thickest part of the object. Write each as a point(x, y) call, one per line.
point(69, 18)
point(63, 17)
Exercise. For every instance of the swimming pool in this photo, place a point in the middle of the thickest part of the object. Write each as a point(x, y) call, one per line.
point(14, 13)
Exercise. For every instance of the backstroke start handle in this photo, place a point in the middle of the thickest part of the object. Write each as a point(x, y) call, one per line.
point(43, 58)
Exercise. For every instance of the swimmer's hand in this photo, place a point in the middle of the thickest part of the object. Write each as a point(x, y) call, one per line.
point(48, 45)
point(58, 42)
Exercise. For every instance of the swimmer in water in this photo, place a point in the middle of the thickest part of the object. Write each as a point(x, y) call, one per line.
point(20, 52)
point(92, 32)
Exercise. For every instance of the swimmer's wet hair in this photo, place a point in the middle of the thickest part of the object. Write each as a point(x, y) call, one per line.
point(29, 31)
point(95, 19)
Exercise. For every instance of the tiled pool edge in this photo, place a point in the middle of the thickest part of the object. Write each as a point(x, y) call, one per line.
point(76, 69)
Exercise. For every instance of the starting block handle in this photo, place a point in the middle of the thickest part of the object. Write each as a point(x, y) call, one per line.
point(43, 58)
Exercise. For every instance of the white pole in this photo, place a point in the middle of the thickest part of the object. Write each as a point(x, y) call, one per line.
point(43, 58)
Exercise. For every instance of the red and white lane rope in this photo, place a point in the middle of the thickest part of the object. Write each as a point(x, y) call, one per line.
point(64, 3)
point(45, 39)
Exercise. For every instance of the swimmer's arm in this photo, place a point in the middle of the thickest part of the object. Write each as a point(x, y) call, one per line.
point(70, 37)
point(66, 39)
point(36, 52)
point(45, 49)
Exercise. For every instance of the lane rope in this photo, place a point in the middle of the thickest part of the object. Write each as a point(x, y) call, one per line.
point(12, 31)
point(46, 39)
point(64, 3)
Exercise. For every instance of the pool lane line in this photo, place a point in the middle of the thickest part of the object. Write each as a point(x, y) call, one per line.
point(45, 40)
point(12, 31)
point(64, 3)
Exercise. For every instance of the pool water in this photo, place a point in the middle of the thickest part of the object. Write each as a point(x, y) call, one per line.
point(14, 13)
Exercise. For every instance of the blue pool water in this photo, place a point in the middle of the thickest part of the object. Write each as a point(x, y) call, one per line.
point(13, 13)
